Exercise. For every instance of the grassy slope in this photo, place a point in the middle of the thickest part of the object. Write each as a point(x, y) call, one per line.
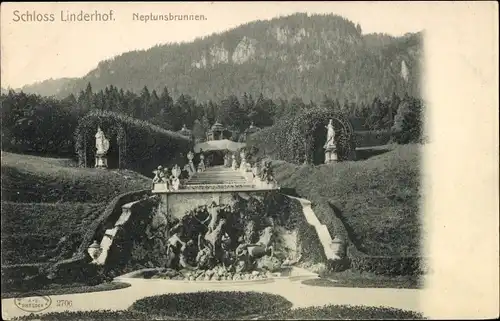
point(378, 197)
point(46, 199)
point(40, 179)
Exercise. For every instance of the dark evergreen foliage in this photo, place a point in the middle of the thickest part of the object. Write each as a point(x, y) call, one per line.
point(300, 54)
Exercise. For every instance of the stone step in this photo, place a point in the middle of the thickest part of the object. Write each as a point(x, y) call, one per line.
point(216, 181)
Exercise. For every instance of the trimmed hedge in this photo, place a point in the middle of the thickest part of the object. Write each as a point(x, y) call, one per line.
point(382, 265)
point(297, 138)
point(371, 138)
point(110, 215)
point(311, 248)
point(211, 305)
point(346, 312)
point(387, 265)
point(75, 269)
point(85, 316)
point(119, 253)
point(29, 234)
point(139, 145)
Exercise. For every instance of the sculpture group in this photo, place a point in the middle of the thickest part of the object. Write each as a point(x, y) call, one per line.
point(172, 178)
point(206, 238)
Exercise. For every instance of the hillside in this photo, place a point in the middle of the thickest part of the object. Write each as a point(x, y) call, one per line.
point(297, 55)
point(48, 204)
point(47, 87)
point(41, 179)
point(377, 198)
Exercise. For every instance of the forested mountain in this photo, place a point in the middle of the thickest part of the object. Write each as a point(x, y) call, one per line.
point(48, 87)
point(294, 56)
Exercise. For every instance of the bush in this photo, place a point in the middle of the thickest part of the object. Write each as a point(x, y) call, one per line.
point(85, 315)
point(297, 138)
point(386, 265)
point(211, 305)
point(141, 146)
point(370, 138)
point(346, 312)
point(37, 125)
point(408, 122)
point(110, 215)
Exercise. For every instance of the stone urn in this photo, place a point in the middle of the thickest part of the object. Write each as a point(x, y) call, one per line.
point(94, 250)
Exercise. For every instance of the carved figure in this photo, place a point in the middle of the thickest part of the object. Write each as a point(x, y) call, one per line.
point(101, 143)
point(330, 136)
point(158, 173)
point(234, 163)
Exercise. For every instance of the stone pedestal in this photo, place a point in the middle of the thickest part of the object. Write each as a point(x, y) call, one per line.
point(101, 161)
point(330, 154)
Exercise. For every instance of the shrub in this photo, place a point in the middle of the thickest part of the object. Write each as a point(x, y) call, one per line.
point(211, 305)
point(297, 138)
point(386, 265)
point(345, 312)
point(408, 122)
point(110, 215)
point(370, 138)
point(142, 146)
point(85, 315)
point(38, 125)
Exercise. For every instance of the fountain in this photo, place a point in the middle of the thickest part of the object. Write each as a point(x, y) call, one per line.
point(220, 242)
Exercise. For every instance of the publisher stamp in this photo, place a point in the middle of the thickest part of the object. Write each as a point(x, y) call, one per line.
point(33, 303)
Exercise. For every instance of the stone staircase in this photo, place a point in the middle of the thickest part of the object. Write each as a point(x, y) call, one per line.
point(218, 175)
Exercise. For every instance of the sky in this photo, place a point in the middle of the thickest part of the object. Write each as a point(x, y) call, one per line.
point(35, 51)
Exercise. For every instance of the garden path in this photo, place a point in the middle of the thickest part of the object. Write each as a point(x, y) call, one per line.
point(299, 294)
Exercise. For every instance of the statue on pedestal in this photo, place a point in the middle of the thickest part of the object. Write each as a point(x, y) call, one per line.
point(330, 147)
point(234, 164)
point(161, 177)
point(201, 165)
point(267, 173)
point(176, 172)
point(330, 136)
point(190, 157)
point(102, 146)
point(243, 163)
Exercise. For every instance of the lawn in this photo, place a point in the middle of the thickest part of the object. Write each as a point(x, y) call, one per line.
point(377, 198)
point(72, 288)
point(34, 179)
point(229, 305)
point(355, 279)
point(44, 231)
point(49, 203)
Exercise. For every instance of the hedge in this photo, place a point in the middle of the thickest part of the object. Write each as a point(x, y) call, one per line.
point(211, 305)
point(370, 138)
point(382, 265)
point(387, 265)
point(29, 234)
point(356, 259)
point(120, 251)
point(108, 315)
point(298, 138)
point(345, 312)
point(140, 145)
point(76, 268)
point(110, 215)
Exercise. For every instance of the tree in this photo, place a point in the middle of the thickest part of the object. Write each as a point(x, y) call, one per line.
point(408, 121)
point(198, 131)
point(166, 114)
